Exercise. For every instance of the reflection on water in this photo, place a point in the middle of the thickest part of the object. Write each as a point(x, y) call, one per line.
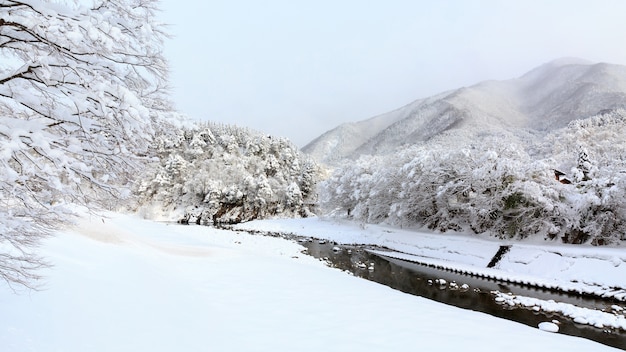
point(460, 290)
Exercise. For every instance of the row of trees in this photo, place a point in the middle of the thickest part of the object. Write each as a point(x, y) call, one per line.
point(496, 186)
point(213, 174)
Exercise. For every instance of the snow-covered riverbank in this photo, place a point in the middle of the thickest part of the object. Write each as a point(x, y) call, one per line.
point(578, 269)
point(585, 269)
point(120, 283)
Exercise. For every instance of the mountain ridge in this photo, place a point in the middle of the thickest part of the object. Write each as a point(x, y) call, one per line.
point(543, 99)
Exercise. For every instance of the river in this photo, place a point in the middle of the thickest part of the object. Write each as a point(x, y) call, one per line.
point(461, 290)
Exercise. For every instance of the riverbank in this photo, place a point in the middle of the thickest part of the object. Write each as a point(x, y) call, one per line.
point(583, 269)
point(120, 283)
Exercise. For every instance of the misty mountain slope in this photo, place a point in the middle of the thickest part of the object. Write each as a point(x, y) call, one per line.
point(479, 109)
point(546, 98)
point(422, 124)
point(343, 140)
point(556, 95)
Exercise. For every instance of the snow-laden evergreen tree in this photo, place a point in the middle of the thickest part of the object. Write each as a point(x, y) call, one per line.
point(81, 88)
point(214, 174)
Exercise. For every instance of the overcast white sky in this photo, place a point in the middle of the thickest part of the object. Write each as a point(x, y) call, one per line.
point(299, 68)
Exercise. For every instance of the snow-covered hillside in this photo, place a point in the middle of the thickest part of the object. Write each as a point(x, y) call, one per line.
point(335, 144)
point(544, 99)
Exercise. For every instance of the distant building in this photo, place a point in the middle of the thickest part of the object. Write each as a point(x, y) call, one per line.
point(560, 176)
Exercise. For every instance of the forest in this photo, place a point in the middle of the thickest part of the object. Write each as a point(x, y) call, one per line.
point(567, 185)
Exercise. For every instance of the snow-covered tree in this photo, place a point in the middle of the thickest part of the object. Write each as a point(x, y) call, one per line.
point(81, 90)
point(231, 174)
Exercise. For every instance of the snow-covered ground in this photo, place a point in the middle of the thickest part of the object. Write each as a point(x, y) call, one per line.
point(120, 283)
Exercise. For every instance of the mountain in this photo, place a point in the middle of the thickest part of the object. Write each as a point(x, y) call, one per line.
point(546, 98)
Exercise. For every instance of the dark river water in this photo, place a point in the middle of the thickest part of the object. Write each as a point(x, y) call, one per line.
point(465, 291)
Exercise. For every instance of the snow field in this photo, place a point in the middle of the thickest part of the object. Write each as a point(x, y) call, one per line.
point(120, 283)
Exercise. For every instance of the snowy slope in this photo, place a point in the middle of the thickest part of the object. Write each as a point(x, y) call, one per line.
point(120, 283)
point(344, 139)
point(544, 99)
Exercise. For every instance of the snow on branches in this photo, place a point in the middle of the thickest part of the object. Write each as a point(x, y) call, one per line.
point(80, 89)
point(215, 174)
